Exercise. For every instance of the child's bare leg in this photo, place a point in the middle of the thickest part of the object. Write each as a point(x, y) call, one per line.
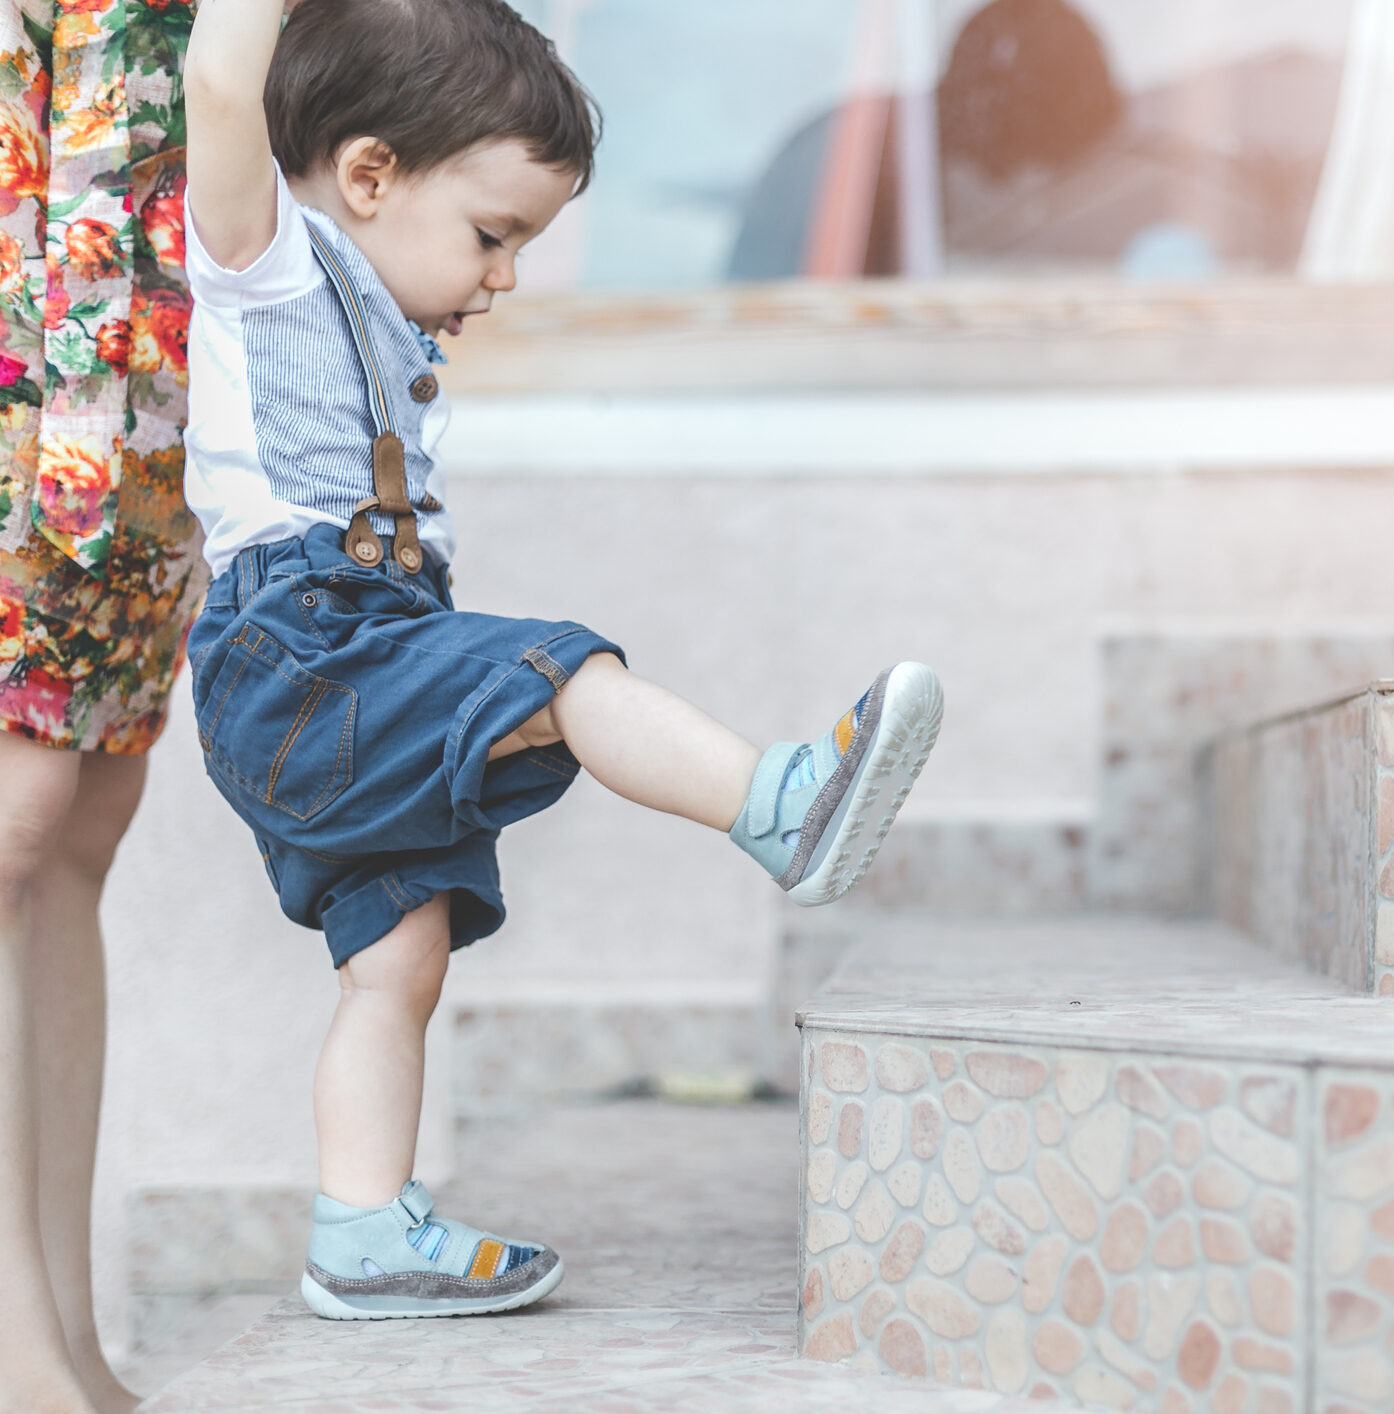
point(812, 814)
point(378, 1248)
point(369, 1077)
point(645, 743)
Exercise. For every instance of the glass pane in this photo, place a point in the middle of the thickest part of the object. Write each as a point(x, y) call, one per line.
point(772, 139)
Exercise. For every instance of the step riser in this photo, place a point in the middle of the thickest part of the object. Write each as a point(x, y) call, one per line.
point(1132, 1229)
point(1300, 839)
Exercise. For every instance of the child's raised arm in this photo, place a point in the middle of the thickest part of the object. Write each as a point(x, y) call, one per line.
point(232, 186)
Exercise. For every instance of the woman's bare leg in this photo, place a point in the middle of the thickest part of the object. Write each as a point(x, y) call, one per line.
point(69, 990)
point(37, 1375)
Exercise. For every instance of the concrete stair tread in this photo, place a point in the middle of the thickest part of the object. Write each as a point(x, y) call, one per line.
point(680, 1240)
point(1098, 981)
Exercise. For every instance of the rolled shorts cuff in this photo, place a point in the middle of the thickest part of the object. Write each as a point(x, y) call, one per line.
point(371, 910)
point(491, 794)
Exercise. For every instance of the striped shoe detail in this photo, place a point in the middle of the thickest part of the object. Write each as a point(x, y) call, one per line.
point(428, 1239)
point(486, 1260)
point(517, 1257)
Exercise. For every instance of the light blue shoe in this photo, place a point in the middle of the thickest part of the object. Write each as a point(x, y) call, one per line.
point(371, 1264)
point(817, 813)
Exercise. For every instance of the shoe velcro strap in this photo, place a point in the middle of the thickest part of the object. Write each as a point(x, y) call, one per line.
point(761, 811)
point(415, 1202)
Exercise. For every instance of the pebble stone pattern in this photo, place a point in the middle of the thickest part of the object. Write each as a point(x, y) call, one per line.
point(1121, 1229)
point(1303, 837)
point(1355, 1243)
point(679, 1232)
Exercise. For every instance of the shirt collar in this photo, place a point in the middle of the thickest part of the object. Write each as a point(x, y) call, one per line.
point(428, 345)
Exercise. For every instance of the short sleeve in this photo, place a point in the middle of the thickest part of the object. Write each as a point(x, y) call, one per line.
point(285, 269)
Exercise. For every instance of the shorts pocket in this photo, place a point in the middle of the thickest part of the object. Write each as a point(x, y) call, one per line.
point(274, 730)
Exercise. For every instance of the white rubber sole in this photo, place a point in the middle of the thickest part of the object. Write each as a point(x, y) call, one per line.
point(911, 712)
point(387, 1308)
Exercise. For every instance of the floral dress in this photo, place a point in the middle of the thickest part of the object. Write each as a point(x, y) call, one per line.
point(100, 563)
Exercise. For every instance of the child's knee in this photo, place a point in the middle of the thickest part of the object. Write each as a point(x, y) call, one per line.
point(409, 963)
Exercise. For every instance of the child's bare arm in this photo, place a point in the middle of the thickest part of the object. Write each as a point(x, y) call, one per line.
point(232, 188)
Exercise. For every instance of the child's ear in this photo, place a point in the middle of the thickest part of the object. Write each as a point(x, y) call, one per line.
point(366, 167)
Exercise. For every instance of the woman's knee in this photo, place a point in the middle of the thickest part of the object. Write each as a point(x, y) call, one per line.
point(109, 791)
point(41, 785)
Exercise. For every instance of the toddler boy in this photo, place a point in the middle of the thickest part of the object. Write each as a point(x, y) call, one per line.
point(356, 186)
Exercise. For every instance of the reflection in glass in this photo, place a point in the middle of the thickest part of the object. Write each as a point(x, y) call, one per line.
point(840, 138)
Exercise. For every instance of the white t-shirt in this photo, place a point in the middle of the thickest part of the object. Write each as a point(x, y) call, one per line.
point(280, 429)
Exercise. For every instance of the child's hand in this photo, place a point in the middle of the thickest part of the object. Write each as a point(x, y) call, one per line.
point(232, 184)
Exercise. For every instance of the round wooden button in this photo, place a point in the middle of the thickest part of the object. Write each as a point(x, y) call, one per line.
point(411, 559)
point(425, 388)
point(366, 552)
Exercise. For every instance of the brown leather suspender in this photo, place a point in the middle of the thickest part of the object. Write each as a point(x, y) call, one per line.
point(390, 496)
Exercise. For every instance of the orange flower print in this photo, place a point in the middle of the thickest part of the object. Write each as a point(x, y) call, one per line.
point(162, 217)
point(72, 32)
point(136, 736)
point(85, 128)
point(11, 263)
point(159, 331)
point(92, 249)
point(71, 7)
point(74, 481)
point(23, 153)
point(114, 344)
point(56, 301)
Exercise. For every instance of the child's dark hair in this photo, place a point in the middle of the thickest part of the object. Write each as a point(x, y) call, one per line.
point(430, 78)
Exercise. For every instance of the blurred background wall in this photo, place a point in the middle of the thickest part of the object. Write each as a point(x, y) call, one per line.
point(983, 334)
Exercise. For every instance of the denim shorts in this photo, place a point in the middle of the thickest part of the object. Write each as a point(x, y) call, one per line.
point(347, 712)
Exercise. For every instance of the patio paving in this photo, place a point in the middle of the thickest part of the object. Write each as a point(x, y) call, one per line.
point(678, 1225)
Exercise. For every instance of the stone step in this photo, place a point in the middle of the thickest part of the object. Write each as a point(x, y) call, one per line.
point(680, 1294)
point(1300, 838)
point(1142, 1164)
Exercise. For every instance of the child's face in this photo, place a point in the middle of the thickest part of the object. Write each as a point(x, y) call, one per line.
point(444, 242)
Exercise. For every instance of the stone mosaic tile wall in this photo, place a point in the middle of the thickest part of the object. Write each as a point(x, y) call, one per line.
point(1128, 1231)
point(1165, 695)
point(1383, 833)
point(1301, 838)
point(1355, 1244)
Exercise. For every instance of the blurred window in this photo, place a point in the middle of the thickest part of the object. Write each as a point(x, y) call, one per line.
point(773, 139)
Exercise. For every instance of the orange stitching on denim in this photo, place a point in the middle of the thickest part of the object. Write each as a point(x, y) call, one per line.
point(237, 677)
point(330, 790)
point(548, 667)
point(398, 895)
point(547, 766)
point(307, 710)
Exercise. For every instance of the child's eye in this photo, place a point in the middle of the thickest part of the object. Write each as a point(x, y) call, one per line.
point(486, 240)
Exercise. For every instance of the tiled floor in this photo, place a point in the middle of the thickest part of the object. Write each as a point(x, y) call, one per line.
point(678, 1227)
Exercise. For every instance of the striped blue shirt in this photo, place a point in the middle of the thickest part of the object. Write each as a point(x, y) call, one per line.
point(280, 427)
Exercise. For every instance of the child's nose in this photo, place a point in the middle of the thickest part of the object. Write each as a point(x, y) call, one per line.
point(501, 277)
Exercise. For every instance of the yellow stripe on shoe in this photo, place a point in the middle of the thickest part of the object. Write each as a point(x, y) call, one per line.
point(842, 732)
point(486, 1260)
